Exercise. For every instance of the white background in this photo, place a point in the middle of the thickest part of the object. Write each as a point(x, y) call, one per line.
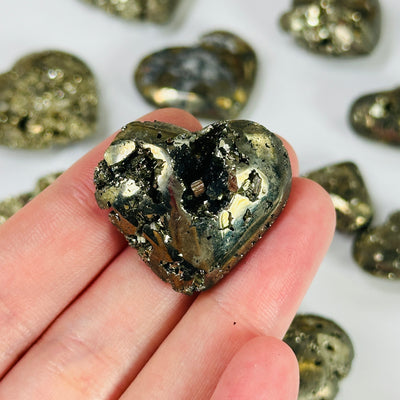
point(301, 96)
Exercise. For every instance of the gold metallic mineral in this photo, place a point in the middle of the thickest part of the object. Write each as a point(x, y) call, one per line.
point(324, 352)
point(349, 195)
point(158, 11)
point(377, 116)
point(47, 98)
point(193, 204)
point(334, 27)
point(377, 249)
point(212, 79)
point(11, 205)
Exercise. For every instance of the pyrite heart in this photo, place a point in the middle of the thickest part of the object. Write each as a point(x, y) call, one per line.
point(349, 195)
point(212, 79)
point(377, 249)
point(377, 116)
point(193, 204)
point(335, 27)
point(324, 352)
point(47, 98)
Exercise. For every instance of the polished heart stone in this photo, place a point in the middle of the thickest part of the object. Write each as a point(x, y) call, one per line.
point(193, 204)
point(324, 353)
point(377, 250)
point(158, 11)
point(349, 195)
point(47, 98)
point(334, 27)
point(11, 205)
point(377, 116)
point(212, 79)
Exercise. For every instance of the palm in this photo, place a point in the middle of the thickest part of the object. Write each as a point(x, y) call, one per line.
point(81, 317)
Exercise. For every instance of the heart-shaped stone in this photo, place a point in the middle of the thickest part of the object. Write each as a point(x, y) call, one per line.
point(212, 79)
point(377, 116)
point(334, 27)
point(349, 195)
point(324, 352)
point(47, 98)
point(158, 11)
point(377, 250)
point(193, 204)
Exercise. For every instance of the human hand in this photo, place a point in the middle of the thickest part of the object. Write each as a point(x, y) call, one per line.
point(82, 317)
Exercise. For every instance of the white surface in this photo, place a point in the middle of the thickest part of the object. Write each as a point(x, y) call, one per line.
point(303, 97)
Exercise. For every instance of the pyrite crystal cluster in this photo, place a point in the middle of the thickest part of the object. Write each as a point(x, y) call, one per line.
point(349, 195)
point(11, 205)
point(334, 27)
point(324, 352)
point(158, 11)
point(212, 79)
point(193, 204)
point(377, 250)
point(47, 98)
point(377, 116)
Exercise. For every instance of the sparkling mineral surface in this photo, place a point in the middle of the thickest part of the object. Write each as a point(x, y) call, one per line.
point(334, 27)
point(377, 250)
point(349, 195)
point(47, 98)
point(377, 116)
point(158, 11)
point(193, 204)
point(212, 79)
point(11, 205)
point(324, 352)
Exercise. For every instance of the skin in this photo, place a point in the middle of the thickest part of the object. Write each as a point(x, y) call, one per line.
point(82, 317)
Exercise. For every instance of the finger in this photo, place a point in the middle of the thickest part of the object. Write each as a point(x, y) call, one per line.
point(260, 297)
point(53, 247)
point(265, 368)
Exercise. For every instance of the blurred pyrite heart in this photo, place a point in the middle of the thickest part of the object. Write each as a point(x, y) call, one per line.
point(377, 249)
point(193, 204)
point(324, 352)
point(335, 27)
point(377, 116)
point(212, 79)
point(47, 98)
